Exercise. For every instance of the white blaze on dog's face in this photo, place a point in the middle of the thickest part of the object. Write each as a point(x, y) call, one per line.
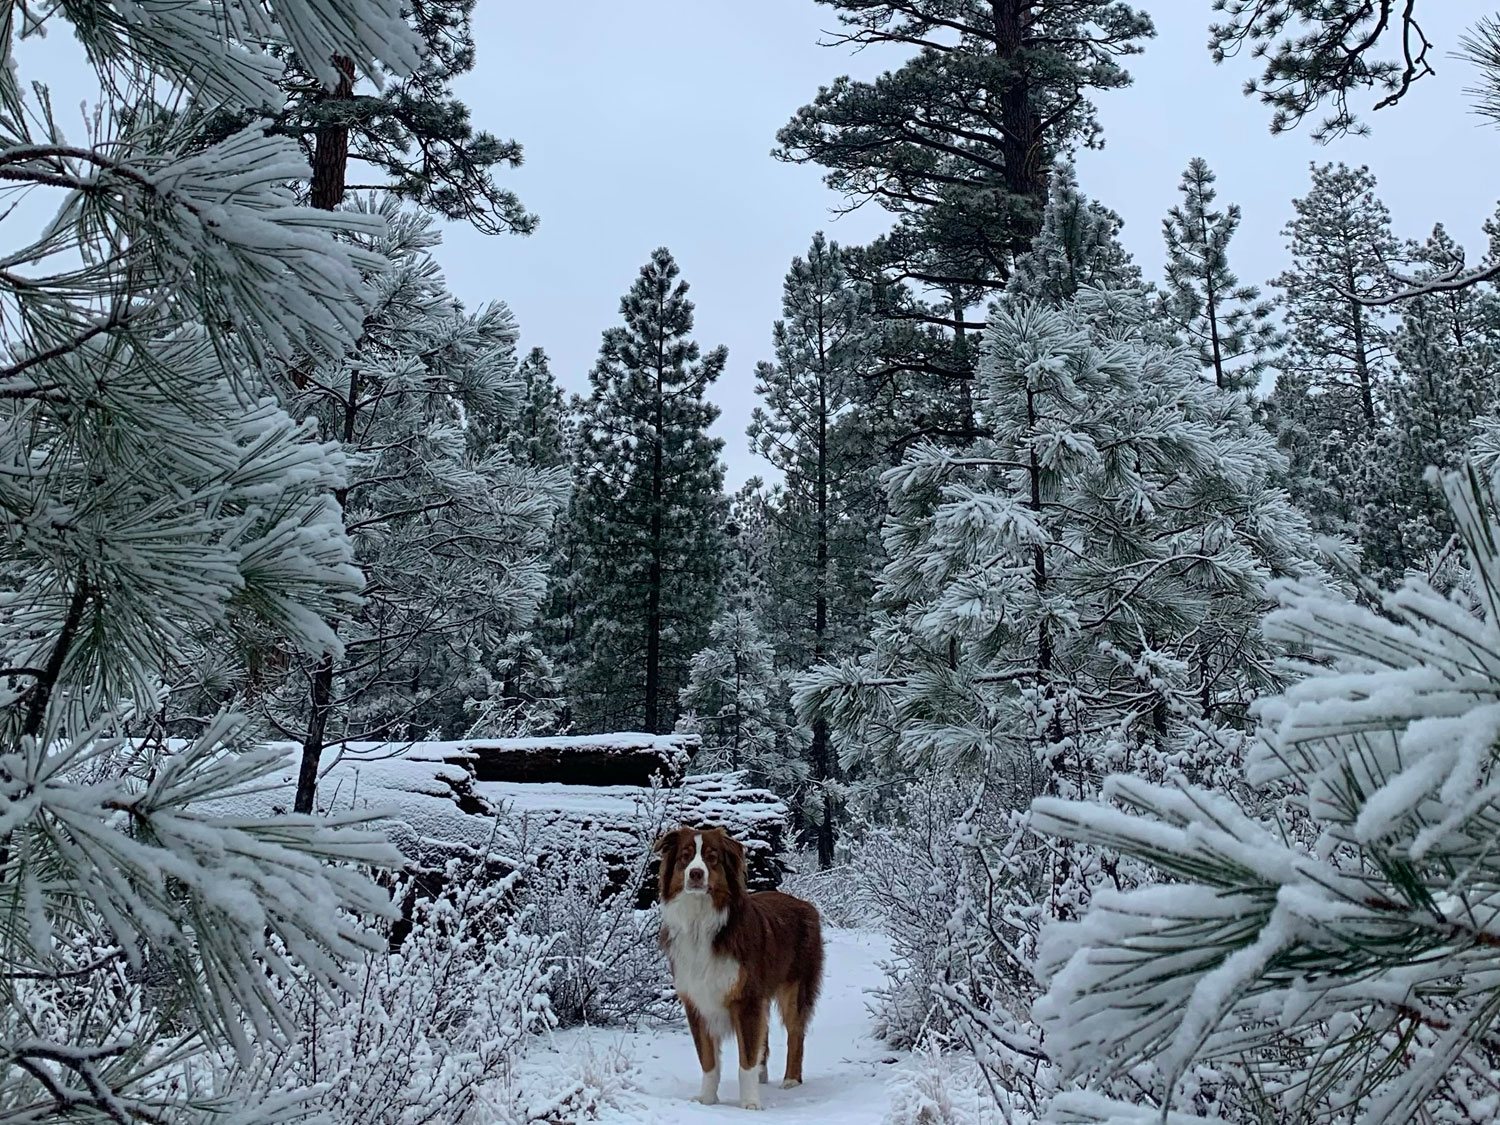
point(695, 872)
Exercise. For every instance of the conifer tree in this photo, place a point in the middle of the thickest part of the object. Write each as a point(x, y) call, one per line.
point(730, 698)
point(1336, 49)
point(957, 144)
point(826, 515)
point(749, 533)
point(648, 511)
point(1447, 366)
point(1078, 245)
point(1077, 593)
point(539, 435)
point(1035, 575)
point(406, 134)
point(1333, 379)
point(1227, 323)
point(451, 532)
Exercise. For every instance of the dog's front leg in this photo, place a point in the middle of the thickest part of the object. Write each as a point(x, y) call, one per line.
point(751, 1022)
point(708, 1054)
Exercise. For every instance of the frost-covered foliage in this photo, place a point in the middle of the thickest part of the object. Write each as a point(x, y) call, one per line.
point(939, 1088)
point(926, 882)
point(731, 699)
point(1084, 585)
point(431, 1032)
point(158, 504)
point(1340, 957)
point(450, 529)
point(572, 1089)
point(606, 967)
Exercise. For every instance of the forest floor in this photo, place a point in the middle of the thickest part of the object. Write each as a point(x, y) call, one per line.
point(652, 1076)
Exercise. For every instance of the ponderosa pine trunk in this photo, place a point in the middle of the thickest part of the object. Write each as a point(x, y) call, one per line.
point(329, 171)
point(653, 569)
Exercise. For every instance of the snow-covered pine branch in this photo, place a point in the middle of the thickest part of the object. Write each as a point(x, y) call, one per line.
point(1345, 958)
point(159, 503)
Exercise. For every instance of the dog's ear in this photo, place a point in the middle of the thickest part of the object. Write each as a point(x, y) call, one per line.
point(666, 848)
point(734, 863)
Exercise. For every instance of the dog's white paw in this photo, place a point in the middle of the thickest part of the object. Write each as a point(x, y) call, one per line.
point(791, 1083)
point(707, 1099)
point(751, 1103)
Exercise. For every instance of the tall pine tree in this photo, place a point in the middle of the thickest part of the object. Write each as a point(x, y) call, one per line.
point(1447, 372)
point(539, 435)
point(1333, 378)
point(1226, 323)
point(811, 428)
point(649, 511)
point(957, 144)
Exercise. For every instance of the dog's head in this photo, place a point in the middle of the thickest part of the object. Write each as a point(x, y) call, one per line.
point(701, 861)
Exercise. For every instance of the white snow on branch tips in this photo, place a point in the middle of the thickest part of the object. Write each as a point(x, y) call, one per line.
point(1346, 948)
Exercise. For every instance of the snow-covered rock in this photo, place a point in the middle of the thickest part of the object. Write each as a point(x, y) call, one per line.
point(434, 802)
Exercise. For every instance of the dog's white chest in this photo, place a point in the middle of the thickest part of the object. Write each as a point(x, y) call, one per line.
point(701, 976)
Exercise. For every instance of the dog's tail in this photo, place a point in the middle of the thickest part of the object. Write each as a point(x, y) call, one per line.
point(810, 965)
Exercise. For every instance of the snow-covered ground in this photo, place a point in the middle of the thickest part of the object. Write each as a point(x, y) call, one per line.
point(655, 1073)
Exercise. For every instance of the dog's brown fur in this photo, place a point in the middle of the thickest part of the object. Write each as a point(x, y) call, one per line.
point(775, 940)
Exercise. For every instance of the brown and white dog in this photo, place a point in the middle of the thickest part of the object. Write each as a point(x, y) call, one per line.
point(732, 953)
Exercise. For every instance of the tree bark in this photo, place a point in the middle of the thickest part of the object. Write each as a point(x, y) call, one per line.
point(1211, 303)
point(1021, 148)
point(329, 168)
point(331, 145)
point(654, 568)
point(822, 757)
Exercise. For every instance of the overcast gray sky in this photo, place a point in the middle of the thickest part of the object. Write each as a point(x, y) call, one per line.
point(650, 123)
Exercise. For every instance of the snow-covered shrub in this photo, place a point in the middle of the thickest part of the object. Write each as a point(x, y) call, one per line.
point(431, 1031)
point(1349, 971)
point(926, 878)
point(939, 1087)
point(835, 891)
point(606, 966)
point(577, 1086)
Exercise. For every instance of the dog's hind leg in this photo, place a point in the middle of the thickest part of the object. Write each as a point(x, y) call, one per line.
point(793, 1016)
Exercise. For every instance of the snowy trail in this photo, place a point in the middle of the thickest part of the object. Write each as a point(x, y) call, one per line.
point(846, 1071)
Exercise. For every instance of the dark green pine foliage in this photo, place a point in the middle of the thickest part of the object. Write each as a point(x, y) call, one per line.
point(1333, 380)
point(648, 511)
point(1314, 52)
point(540, 435)
point(1226, 323)
point(956, 143)
point(1448, 375)
point(812, 428)
point(408, 135)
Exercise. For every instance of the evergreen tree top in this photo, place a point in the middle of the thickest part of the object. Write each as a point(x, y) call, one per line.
point(655, 336)
point(1078, 246)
